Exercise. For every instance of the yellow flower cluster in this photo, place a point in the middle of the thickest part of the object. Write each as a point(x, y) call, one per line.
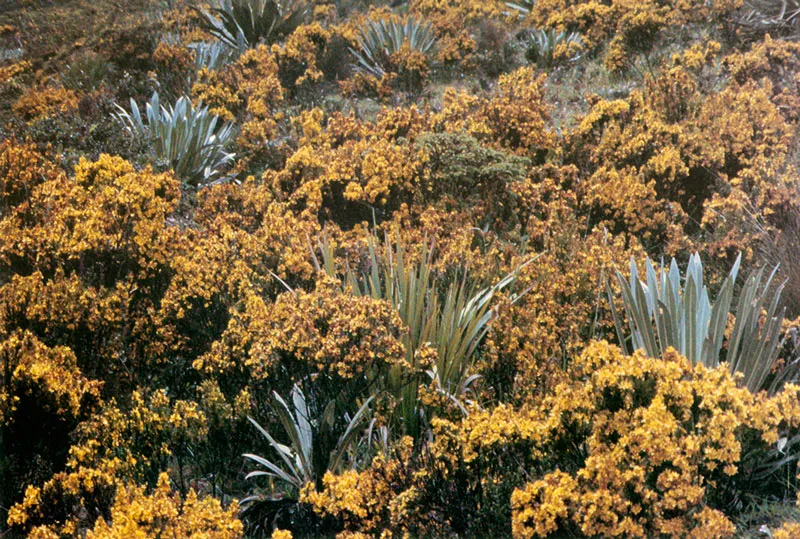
point(454, 20)
point(514, 118)
point(671, 158)
point(140, 324)
point(631, 28)
point(247, 90)
point(21, 169)
point(48, 377)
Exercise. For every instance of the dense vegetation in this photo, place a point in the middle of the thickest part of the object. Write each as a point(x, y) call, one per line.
point(349, 269)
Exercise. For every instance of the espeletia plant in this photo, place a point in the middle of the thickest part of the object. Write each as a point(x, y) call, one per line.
point(380, 40)
point(546, 47)
point(188, 139)
point(243, 24)
point(664, 309)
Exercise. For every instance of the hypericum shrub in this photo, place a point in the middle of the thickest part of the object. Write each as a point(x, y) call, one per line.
point(215, 274)
point(114, 448)
point(637, 27)
point(165, 513)
point(10, 76)
point(456, 23)
point(83, 256)
point(654, 147)
point(248, 90)
point(777, 60)
point(325, 333)
point(313, 54)
point(43, 396)
point(631, 29)
point(371, 501)
point(340, 182)
point(752, 151)
point(173, 66)
point(184, 138)
point(38, 103)
point(105, 223)
point(648, 446)
point(21, 169)
point(513, 118)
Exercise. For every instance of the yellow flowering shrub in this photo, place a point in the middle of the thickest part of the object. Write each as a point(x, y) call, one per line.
point(213, 89)
point(629, 28)
point(513, 118)
point(142, 323)
point(324, 331)
point(38, 103)
point(776, 60)
point(107, 211)
point(247, 90)
point(43, 396)
point(340, 181)
point(378, 499)
point(312, 53)
point(172, 63)
point(11, 78)
point(686, 159)
point(113, 447)
point(44, 377)
point(753, 140)
point(21, 168)
point(659, 444)
point(85, 251)
point(453, 20)
point(246, 241)
point(164, 513)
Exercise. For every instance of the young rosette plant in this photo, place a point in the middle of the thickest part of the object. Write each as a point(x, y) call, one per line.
point(663, 314)
point(213, 55)
point(524, 7)
point(243, 24)
point(548, 47)
point(404, 48)
point(317, 444)
point(185, 138)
